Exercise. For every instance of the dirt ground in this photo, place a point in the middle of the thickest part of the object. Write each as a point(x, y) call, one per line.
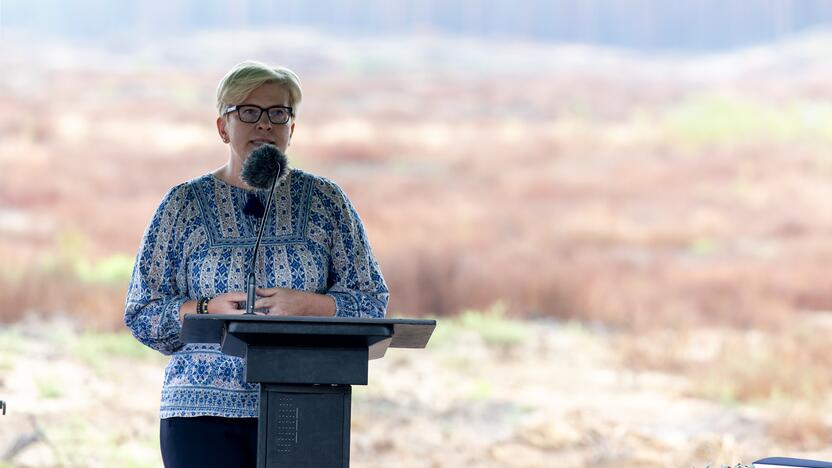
point(485, 394)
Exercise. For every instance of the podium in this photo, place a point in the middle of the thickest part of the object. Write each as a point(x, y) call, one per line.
point(306, 367)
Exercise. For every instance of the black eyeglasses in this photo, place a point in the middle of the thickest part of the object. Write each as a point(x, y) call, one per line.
point(248, 113)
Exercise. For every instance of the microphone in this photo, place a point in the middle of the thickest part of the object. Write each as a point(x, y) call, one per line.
point(261, 170)
point(262, 166)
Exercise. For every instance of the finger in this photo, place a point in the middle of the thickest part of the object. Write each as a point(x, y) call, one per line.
point(225, 307)
point(235, 296)
point(263, 303)
point(266, 292)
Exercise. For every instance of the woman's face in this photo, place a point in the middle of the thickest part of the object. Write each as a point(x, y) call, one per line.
point(244, 137)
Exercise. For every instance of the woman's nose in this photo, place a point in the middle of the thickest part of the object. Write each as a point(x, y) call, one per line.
point(264, 122)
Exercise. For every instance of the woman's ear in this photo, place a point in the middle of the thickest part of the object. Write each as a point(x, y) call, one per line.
point(222, 130)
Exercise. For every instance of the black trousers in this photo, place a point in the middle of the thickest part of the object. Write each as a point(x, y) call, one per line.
point(208, 441)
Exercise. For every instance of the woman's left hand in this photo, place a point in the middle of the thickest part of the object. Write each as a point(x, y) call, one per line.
point(283, 301)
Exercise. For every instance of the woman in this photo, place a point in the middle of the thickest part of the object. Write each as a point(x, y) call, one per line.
point(314, 260)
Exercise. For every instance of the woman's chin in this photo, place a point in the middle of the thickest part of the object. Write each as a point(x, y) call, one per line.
point(257, 144)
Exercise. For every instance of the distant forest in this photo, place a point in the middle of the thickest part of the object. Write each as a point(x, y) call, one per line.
point(696, 25)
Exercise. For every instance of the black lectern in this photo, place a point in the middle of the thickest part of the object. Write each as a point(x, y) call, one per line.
point(305, 367)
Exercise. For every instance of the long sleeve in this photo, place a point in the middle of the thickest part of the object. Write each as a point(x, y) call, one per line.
point(158, 287)
point(355, 280)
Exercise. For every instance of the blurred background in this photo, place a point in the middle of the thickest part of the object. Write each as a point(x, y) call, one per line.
point(619, 211)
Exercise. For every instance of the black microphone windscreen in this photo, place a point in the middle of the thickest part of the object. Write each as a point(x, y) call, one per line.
point(262, 166)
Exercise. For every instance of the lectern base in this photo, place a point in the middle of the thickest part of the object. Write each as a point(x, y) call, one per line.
point(304, 426)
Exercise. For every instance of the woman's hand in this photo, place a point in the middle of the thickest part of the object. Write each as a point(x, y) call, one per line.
point(227, 303)
point(283, 301)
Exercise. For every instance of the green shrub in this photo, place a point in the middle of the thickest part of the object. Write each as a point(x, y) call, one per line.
point(97, 349)
point(712, 119)
point(493, 326)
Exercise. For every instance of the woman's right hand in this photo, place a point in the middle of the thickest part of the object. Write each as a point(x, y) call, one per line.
point(227, 303)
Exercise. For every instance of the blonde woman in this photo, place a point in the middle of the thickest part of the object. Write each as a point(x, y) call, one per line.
point(315, 260)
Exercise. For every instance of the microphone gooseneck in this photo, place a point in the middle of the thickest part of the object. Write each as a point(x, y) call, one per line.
point(263, 168)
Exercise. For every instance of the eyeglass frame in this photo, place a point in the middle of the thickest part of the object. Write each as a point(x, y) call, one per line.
point(237, 107)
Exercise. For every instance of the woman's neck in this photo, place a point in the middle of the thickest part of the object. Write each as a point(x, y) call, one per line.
point(230, 174)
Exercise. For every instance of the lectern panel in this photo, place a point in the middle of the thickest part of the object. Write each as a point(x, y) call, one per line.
point(307, 426)
point(303, 365)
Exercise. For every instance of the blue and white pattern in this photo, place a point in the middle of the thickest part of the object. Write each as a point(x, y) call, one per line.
point(199, 244)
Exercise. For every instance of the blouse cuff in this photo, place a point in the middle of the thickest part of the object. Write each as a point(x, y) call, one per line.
point(344, 304)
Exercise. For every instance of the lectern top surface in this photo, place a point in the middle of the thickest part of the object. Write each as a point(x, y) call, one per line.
point(276, 318)
point(210, 328)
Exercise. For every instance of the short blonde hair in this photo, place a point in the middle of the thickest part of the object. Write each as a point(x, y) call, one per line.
point(245, 77)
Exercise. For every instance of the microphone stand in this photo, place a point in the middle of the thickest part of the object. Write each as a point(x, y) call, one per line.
point(251, 282)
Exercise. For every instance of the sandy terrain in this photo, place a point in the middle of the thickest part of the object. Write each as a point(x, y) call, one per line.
point(563, 396)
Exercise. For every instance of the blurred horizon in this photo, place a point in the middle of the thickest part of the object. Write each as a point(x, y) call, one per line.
point(650, 25)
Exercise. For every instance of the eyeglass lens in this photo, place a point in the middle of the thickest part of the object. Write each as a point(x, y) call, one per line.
point(251, 114)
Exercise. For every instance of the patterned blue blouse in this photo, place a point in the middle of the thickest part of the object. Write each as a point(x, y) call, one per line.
point(199, 243)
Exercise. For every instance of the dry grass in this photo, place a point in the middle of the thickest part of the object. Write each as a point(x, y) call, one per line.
point(785, 374)
point(801, 427)
point(587, 197)
point(739, 366)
